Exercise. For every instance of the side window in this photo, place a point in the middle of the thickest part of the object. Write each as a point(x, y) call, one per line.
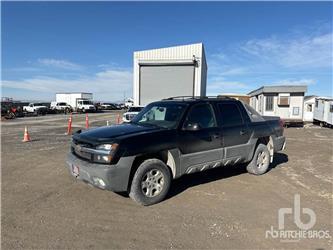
point(309, 108)
point(230, 114)
point(295, 110)
point(269, 103)
point(202, 114)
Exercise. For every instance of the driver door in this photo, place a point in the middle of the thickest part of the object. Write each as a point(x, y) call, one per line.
point(200, 139)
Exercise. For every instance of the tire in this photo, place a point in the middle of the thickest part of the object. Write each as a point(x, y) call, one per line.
point(260, 161)
point(83, 110)
point(151, 182)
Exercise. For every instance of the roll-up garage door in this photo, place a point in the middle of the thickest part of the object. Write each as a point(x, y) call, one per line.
point(163, 81)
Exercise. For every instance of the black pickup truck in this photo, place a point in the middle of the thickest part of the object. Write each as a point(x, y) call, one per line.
point(171, 138)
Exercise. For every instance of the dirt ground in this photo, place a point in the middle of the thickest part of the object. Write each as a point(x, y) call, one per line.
point(44, 207)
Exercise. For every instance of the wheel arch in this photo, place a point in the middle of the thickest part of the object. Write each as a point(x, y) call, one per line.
point(165, 156)
point(268, 141)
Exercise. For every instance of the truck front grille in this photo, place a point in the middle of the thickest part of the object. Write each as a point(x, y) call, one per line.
point(129, 117)
point(77, 147)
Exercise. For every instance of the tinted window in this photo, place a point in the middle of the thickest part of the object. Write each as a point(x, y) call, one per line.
point(166, 115)
point(230, 114)
point(203, 115)
point(135, 109)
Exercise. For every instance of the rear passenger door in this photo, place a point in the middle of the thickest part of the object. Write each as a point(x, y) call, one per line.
point(235, 133)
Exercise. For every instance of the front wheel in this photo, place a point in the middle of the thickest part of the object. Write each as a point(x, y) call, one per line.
point(151, 182)
point(260, 161)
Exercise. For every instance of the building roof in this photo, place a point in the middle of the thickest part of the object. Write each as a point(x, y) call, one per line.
point(279, 89)
point(308, 97)
point(325, 98)
point(182, 53)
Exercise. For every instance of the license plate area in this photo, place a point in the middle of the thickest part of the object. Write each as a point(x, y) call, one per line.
point(75, 170)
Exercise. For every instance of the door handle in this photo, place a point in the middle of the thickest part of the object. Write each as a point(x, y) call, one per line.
point(243, 132)
point(216, 136)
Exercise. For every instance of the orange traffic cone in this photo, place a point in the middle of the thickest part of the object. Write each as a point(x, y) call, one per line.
point(118, 119)
point(87, 121)
point(69, 128)
point(26, 137)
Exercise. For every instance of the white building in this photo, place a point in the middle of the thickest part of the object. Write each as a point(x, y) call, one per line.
point(167, 72)
point(284, 101)
point(323, 111)
point(309, 102)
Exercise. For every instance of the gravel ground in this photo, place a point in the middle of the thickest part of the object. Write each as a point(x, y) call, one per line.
point(44, 207)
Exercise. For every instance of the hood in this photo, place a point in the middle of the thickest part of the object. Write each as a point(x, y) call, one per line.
point(109, 132)
point(131, 113)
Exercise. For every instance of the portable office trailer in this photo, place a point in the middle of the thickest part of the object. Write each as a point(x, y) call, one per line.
point(309, 103)
point(241, 97)
point(323, 111)
point(71, 98)
point(167, 72)
point(284, 101)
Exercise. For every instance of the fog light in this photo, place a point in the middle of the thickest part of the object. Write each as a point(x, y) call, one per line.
point(99, 182)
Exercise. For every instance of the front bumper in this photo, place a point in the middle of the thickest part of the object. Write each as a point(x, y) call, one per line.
point(279, 143)
point(109, 177)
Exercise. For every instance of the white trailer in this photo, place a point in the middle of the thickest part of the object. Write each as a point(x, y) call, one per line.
point(80, 102)
point(285, 101)
point(308, 108)
point(323, 111)
point(166, 72)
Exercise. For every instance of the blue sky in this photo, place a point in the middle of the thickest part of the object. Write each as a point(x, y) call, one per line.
point(85, 46)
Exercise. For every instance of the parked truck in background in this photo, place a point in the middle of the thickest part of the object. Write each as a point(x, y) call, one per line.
point(129, 103)
point(61, 107)
point(80, 102)
point(36, 108)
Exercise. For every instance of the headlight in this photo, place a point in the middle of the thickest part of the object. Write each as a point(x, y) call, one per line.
point(107, 147)
point(104, 152)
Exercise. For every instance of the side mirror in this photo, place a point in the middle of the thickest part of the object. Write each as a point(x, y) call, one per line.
point(192, 126)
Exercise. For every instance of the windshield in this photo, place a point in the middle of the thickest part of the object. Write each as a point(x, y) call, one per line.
point(135, 109)
point(86, 102)
point(165, 115)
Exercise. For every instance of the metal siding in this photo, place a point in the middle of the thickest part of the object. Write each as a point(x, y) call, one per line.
point(172, 54)
point(177, 79)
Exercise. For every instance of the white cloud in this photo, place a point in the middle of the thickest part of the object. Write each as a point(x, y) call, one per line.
point(295, 82)
point(218, 85)
point(106, 85)
point(62, 64)
point(300, 56)
point(307, 51)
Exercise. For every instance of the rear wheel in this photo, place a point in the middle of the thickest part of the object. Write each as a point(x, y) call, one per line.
point(151, 182)
point(260, 162)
